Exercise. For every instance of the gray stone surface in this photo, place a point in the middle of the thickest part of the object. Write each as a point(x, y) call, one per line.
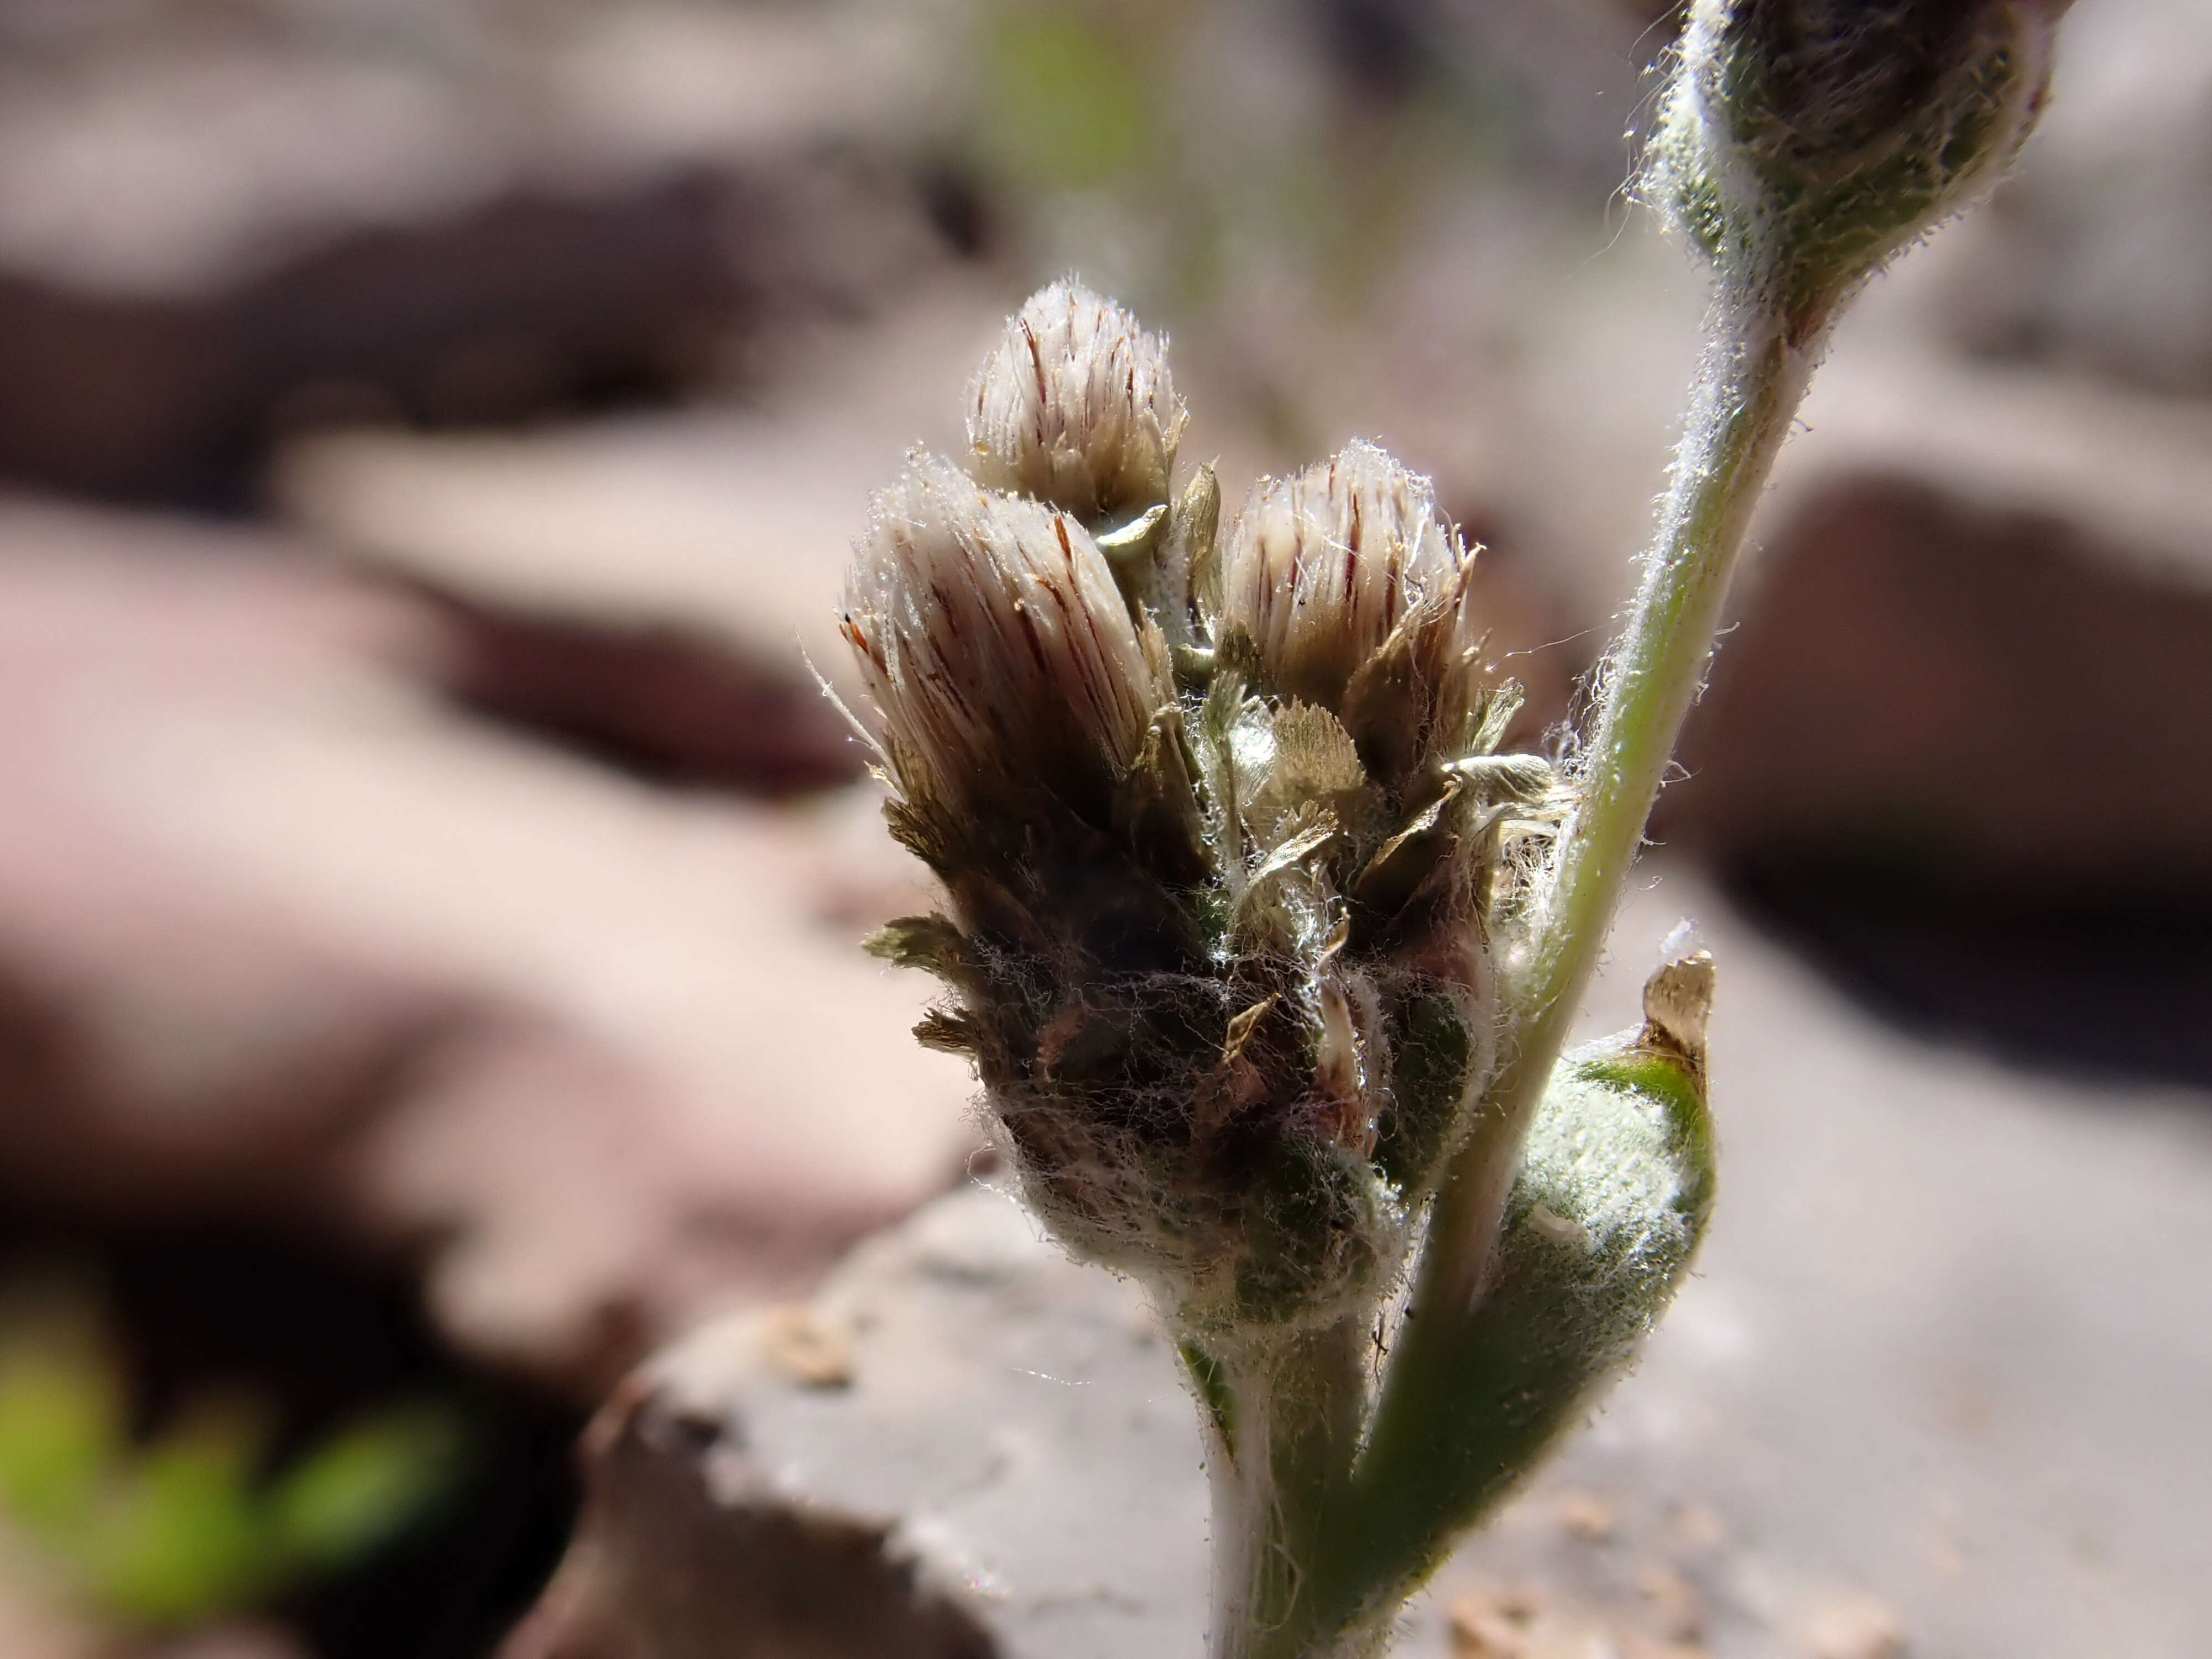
point(1937, 1387)
point(1946, 1348)
point(1004, 1428)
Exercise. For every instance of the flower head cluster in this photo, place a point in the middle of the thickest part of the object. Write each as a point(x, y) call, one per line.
point(1223, 835)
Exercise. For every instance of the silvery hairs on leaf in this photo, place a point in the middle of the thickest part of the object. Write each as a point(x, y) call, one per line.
point(1076, 407)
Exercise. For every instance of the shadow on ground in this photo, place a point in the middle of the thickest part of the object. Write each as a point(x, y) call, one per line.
point(2098, 982)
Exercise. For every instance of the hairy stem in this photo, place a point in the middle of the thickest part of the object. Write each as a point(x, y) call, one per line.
point(1278, 1474)
point(1754, 377)
point(1431, 1466)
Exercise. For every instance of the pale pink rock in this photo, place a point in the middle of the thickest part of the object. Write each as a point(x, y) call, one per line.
point(279, 931)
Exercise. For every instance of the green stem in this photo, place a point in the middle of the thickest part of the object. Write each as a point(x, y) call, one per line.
point(1295, 1419)
point(1434, 1460)
point(1754, 377)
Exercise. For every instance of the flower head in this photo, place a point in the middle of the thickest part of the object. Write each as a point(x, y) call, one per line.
point(1323, 566)
point(996, 649)
point(1076, 408)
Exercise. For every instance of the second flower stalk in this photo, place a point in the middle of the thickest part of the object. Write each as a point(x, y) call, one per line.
point(1263, 943)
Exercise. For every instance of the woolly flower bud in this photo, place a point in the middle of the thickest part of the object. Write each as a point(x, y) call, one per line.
point(1076, 407)
point(1803, 141)
point(996, 649)
point(1320, 568)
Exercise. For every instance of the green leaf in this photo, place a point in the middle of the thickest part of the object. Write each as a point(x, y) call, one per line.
point(364, 1485)
point(1615, 1186)
point(187, 1529)
point(180, 1538)
point(62, 1411)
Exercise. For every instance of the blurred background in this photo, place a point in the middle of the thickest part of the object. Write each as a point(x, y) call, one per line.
point(430, 434)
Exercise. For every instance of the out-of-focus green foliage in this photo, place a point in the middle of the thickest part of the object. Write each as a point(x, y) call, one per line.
point(194, 1523)
point(62, 1411)
point(360, 1486)
point(1140, 141)
point(1072, 109)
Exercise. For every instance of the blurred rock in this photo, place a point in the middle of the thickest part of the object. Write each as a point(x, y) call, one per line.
point(668, 701)
point(1974, 591)
point(32, 1625)
point(28, 1631)
point(280, 933)
point(720, 536)
point(1862, 1422)
point(231, 1642)
point(616, 578)
point(35, 1623)
point(1925, 669)
point(220, 224)
point(1954, 747)
point(1010, 1467)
